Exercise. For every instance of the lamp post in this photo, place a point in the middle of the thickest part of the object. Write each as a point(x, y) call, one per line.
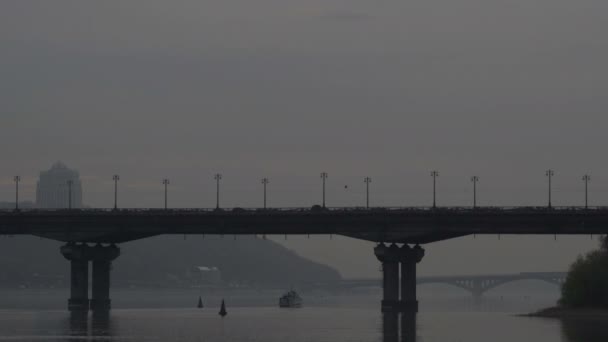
point(17, 179)
point(265, 182)
point(434, 174)
point(474, 179)
point(116, 178)
point(70, 182)
point(367, 180)
point(166, 183)
point(549, 173)
point(217, 178)
point(323, 177)
point(586, 179)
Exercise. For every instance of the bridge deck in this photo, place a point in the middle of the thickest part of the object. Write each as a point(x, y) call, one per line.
point(406, 225)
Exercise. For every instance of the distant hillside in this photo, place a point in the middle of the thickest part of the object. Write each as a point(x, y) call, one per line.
point(166, 261)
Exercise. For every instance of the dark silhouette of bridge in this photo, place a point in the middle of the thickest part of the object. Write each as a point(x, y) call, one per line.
point(414, 225)
point(399, 233)
point(477, 285)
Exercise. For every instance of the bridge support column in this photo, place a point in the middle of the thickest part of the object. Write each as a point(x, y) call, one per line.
point(408, 327)
point(477, 291)
point(79, 273)
point(390, 275)
point(102, 264)
point(79, 256)
point(409, 257)
point(390, 327)
point(392, 331)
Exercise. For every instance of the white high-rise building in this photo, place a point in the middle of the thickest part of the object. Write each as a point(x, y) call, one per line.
point(52, 190)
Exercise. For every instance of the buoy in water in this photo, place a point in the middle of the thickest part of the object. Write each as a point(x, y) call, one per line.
point(223, 311)
point(200, 302)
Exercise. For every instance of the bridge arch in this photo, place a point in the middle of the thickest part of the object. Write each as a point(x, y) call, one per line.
point(555, 282)
point(478, 285)
point(463, 285)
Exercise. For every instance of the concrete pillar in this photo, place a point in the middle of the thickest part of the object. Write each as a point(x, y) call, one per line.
point(408, 327)
point(408, 292)
point(79, 288)
point(102, 264)
point(477, 288)
point(390, 275)
point(391, 281)
point(409, 257)
point(390, 327)
point(79, 273)
point(101, 285)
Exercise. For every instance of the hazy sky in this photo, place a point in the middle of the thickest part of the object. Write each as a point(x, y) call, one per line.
point(286, 89)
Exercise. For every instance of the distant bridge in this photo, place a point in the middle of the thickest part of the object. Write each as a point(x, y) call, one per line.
point(477, 285)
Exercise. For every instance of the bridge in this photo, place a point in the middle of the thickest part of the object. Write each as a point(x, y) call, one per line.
point(415, 225)
point(477, 285)
point(399, 233)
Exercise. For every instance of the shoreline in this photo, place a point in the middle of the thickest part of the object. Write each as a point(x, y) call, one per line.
point(567, 313)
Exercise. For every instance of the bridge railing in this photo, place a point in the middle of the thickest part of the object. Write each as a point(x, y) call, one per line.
point(410, 209)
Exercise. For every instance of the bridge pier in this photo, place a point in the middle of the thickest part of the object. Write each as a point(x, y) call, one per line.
point(408, 327)
point(79, 276)
point(477, 291)
point(391, 257)
point(390, 327)
point(398, 327)
point(409, 257)
point(102, 264)
point(79, 257)
point(388, 256)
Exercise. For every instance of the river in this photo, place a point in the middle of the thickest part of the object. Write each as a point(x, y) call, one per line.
point(35, 315)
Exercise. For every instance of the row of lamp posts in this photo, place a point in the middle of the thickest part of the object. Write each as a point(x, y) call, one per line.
point(367, 180)
point(549, 173)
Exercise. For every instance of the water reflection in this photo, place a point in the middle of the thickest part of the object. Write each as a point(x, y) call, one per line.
point(78, 324)
point(584, 330)
point(393, 331)
point(100, 325)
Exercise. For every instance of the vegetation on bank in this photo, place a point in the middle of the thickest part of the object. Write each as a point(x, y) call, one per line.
point(570, 313)
point(586, 285)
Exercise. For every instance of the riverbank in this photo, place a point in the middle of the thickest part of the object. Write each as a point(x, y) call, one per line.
point(560, 312)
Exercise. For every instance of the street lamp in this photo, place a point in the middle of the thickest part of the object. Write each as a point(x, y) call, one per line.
point(586, 179)
point(367, 180)
point(549, 173)
point(434, 174)
point(70, 182)
point(323, 177)
point(17, 179)
point(116, 178)
point(265, 182)
point(165, 183)
point(474, 179)
point(217, 178)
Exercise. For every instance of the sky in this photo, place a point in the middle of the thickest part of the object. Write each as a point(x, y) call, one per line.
point(287, 89)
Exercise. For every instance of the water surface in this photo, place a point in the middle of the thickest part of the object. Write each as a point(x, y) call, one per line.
point(326, 319)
